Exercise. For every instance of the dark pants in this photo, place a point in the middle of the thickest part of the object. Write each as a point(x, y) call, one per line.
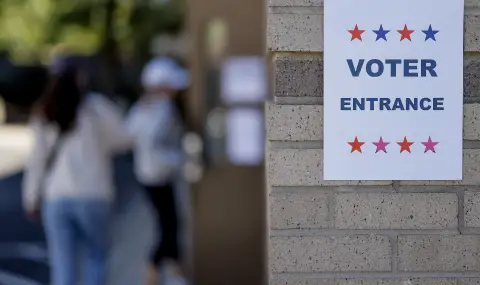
point(162, 199)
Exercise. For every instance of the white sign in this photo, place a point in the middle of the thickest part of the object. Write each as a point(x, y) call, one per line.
point(244, 80)
point(245, 136)
point(393, 89)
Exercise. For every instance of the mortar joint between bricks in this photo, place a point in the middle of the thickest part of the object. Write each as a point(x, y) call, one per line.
point(298, 53)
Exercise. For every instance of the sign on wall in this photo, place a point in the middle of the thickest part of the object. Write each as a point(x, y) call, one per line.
point(393, 102)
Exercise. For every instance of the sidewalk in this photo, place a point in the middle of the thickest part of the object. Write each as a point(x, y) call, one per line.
point(15, 142)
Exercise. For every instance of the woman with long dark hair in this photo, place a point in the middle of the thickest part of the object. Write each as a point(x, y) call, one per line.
point(68, 174)
point(156, 123)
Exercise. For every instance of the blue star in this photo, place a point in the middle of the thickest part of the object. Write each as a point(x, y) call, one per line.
point(381, 33)
point(430, 33)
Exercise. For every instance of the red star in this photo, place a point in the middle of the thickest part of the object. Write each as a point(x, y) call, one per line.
point(356, 145)
point(405, 145)
point(405, 33)
point(356, 33)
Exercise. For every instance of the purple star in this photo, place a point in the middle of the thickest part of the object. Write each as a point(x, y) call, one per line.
point(381, 145)
point(430, 145)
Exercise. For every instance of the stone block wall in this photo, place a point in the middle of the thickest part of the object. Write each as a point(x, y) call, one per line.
point(360, 232)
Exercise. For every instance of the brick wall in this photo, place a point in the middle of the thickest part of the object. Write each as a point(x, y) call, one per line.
point(360, 232)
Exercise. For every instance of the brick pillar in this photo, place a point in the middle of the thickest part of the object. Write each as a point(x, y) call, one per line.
point(360, 232)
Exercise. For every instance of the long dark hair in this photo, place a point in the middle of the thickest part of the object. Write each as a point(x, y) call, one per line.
point(180, 106)
point(180, 99)
point(63, 95)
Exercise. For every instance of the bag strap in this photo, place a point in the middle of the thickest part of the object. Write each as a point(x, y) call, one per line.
point(52, 156)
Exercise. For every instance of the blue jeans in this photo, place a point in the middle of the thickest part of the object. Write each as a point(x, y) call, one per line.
point(70, 223)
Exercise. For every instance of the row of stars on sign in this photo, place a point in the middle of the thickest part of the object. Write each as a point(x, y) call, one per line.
point(382, 145)
point(382, 33)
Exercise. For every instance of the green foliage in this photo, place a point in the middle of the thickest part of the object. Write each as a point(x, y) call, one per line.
point(30, 28)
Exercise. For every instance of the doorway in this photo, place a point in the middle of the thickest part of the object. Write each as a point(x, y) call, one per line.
point(229, 216)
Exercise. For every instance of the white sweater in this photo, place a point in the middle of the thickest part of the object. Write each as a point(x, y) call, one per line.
point(83, 165)
point(157, 133)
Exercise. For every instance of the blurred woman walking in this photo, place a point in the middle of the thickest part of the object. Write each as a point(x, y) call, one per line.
point(69, 171)
point(156, 124)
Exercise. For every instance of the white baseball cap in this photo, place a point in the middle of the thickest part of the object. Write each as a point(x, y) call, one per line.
point(165, 72)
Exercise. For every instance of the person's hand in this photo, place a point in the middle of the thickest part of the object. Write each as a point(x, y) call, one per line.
point(146, 98)
point(32, 213)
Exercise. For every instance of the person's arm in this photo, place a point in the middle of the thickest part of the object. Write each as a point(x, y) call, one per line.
point(132, 121)
point(35, 167)
point(113, 129)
